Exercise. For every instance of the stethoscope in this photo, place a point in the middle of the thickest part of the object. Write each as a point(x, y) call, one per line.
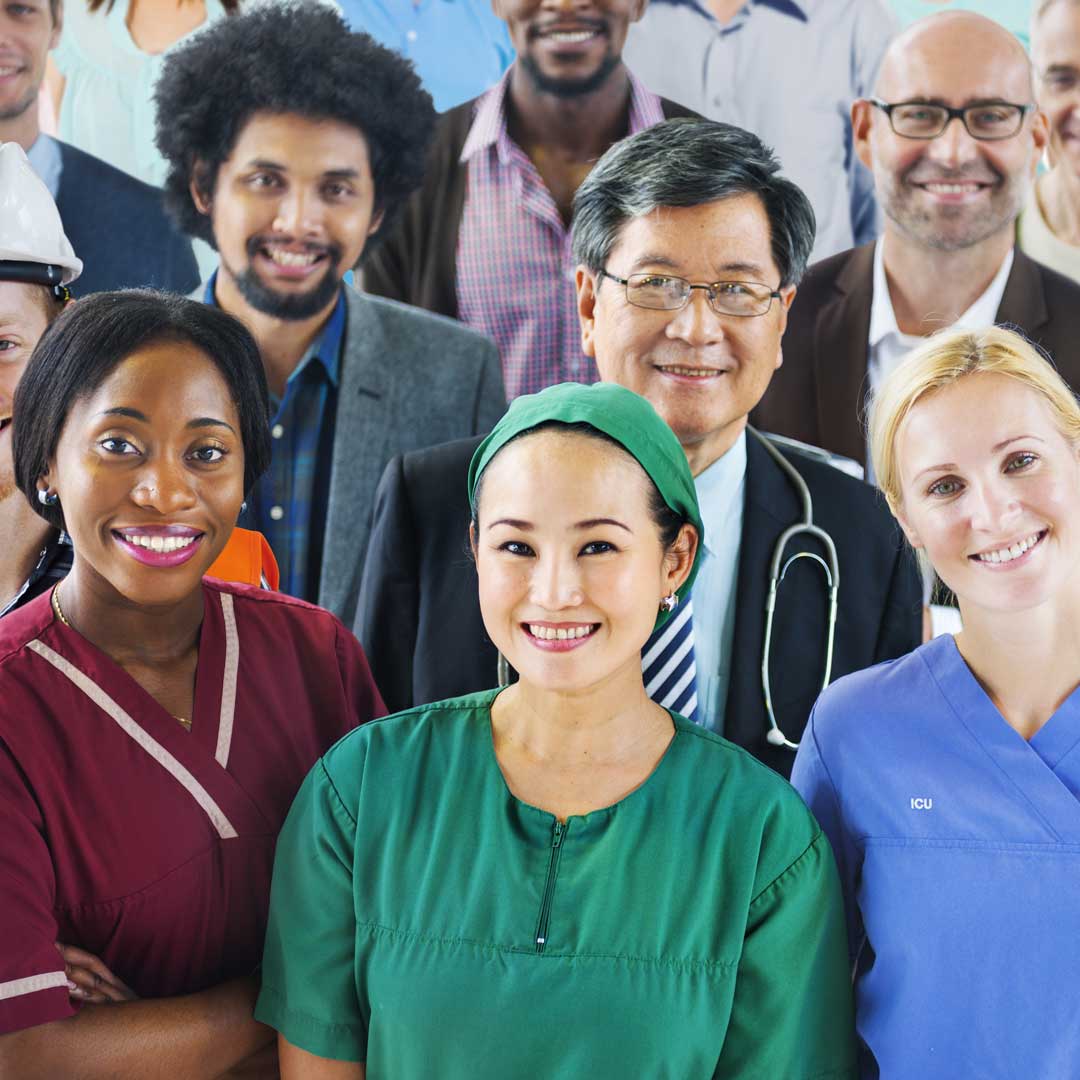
point(830, 565)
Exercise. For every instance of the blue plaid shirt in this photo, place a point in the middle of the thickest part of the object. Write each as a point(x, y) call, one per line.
point(53, 564)
point(288, 505)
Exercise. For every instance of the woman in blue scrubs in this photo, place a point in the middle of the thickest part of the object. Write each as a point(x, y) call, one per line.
point(948, 780)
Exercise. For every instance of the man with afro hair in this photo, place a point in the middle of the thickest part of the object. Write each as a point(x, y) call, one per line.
point(291, 145)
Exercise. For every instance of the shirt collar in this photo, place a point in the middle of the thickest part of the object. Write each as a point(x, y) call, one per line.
point(325, 349)
point(979, 315)
point(797, 9)
point(719, 487)
point(489, 127)
point(47, 161)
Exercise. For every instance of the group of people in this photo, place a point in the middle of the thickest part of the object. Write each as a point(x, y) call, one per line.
point(671, 784)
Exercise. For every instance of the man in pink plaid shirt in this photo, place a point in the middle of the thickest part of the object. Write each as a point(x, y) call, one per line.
point(487, 238)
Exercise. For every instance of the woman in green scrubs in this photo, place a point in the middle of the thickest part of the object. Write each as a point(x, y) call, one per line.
point(559, 878)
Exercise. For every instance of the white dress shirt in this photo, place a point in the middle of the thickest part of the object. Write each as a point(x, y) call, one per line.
point(888, 346)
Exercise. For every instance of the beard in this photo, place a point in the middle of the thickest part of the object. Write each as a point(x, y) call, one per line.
point(13, 112)
point(950, 228)
point(569, 88)
point(292, 307)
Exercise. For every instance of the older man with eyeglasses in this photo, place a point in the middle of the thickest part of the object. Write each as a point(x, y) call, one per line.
point(690, 246)
point(953, 138)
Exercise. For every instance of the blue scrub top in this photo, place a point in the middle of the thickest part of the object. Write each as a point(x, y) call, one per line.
point(958, 844)
point(459, 47)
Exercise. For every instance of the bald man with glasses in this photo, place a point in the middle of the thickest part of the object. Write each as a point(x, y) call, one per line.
point(953, 137)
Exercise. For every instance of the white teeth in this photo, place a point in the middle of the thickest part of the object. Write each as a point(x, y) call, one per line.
point(951, 189)
point(551, 633)
point(1008, 554)
point(160, 543)
point(291, 258)
point(574, 37)
point(7, 71)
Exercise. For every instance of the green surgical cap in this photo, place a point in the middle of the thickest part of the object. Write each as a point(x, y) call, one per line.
point(623, 416)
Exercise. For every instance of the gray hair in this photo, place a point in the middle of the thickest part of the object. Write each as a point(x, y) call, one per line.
point(689, 162)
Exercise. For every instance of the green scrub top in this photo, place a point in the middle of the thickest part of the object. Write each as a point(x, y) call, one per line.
point(426, 921)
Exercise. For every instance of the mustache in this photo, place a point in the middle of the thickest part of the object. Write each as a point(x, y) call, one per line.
point(980, 173)
point(255, 243)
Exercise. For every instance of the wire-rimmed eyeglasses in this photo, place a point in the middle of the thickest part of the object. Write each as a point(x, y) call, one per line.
point(986, 121)
point(662, 292)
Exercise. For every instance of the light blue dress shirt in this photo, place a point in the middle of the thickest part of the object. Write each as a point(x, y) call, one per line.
point(721, 491)
point(47, 161)
point(459, 47)
point(787, 70)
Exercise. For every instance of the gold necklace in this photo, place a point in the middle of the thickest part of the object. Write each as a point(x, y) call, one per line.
point(56, 607)
point(185, 724)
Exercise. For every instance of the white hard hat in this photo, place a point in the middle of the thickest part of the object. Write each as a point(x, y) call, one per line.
point(31, 232)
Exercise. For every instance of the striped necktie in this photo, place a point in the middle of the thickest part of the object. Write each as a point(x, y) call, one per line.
point(667, 664)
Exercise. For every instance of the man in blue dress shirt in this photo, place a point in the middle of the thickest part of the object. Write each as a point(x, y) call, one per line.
point(459, 47)
point(787, 70)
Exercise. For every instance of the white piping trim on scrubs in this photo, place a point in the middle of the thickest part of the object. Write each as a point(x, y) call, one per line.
point(228, 683)
point(149, 744)
point(31, 984)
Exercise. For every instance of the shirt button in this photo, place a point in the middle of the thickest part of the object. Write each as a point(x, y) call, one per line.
point(277, 431)
point(410, 35)
point(276, 513)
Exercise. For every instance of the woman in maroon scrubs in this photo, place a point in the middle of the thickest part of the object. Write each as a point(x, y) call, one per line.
point(154, 725)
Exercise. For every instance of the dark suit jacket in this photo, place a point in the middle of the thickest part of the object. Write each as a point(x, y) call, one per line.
point(818, 395)
point(419, 617)
point(118, 227)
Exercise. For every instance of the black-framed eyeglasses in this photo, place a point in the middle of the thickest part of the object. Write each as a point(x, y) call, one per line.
point(986, 121)
point(662, 292)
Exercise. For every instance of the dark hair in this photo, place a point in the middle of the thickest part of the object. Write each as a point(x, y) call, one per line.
point(230, 6)
point(668, 522)
point(93, 337)
point(288, 58)
point(688, 162)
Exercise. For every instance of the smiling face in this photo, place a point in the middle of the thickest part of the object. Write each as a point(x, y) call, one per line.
point(1056, 52)
point(701, 371)
point(568, 50)
point(570, 560)
point(953, 191)
point(995, 505)
point(27, 33)
point(292, 208)
point(150, 473)
point(22, 322)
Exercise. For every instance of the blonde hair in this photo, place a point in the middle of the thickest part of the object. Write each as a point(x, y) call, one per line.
point(947, 357)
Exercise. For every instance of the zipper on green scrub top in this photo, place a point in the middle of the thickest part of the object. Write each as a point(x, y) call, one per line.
point(549, 886)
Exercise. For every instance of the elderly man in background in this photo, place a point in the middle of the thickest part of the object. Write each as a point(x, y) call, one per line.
point(786, 70)
point(953, 137)
point(116, 222)
point(689, 247)
point(291, 142)
point(1049, 227)
point(487, 237)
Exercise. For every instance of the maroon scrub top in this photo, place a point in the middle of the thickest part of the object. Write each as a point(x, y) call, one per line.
point(125, 834)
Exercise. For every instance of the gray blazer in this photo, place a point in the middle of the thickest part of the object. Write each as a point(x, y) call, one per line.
point(409, 379)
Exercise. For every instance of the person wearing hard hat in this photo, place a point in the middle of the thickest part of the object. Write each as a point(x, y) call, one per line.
point(114, 221)
point(37, 263)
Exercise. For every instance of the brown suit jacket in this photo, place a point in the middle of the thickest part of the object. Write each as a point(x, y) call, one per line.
point(818, 394)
